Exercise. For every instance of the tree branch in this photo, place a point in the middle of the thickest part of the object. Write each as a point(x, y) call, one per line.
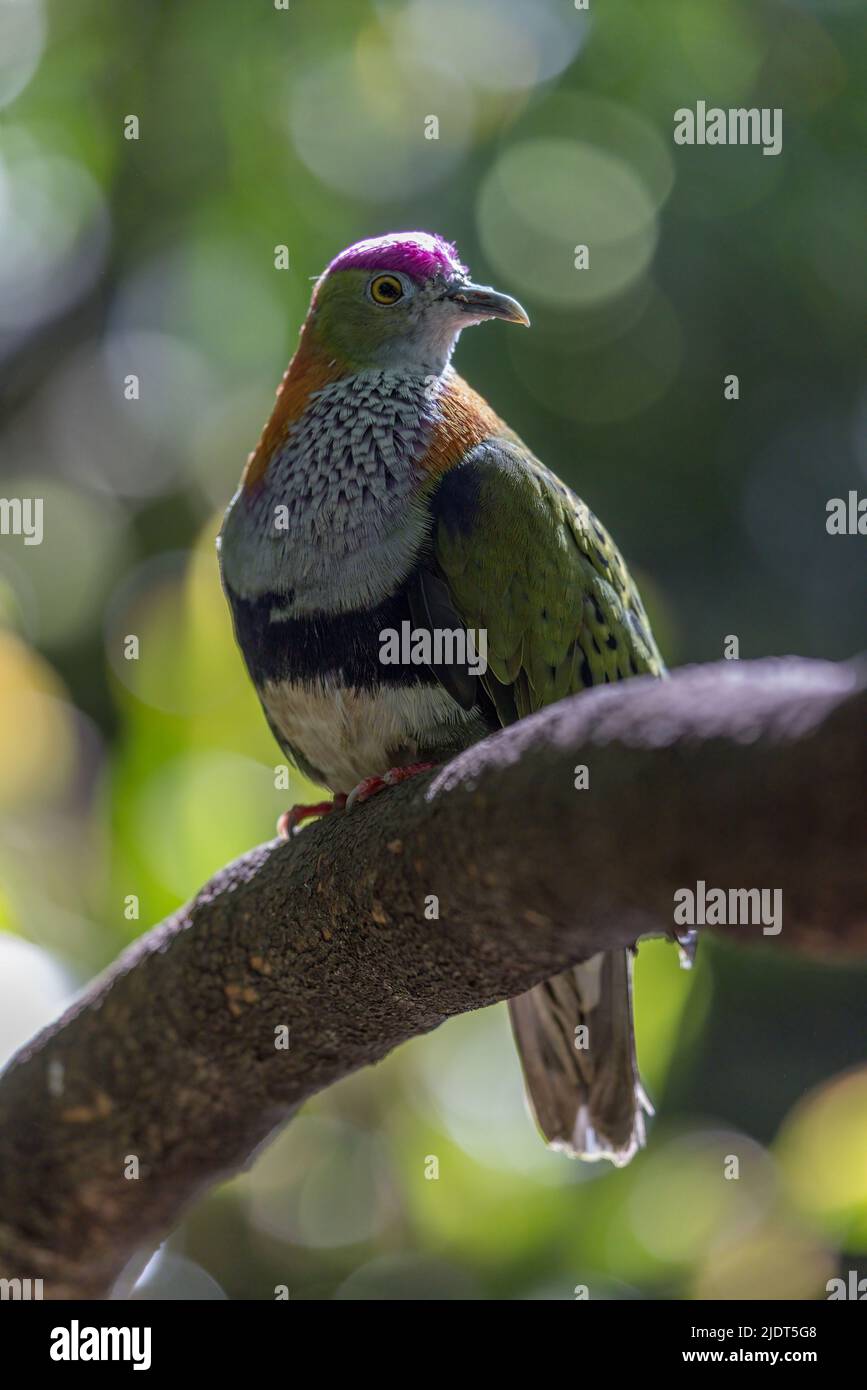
point(741, 775)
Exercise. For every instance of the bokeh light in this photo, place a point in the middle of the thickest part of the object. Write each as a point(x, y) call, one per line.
point(193, 293)
point(119, 412)
point(779, 1262)
point(37, 738)
point(54, 228)
point(373, 146)
point(545, 197)
point(342, 1187)
point(34, 988)
point(180, 840)
point(502, 45)
point(823, 1153)
point(57, 595)
point(22, 40)
point(688, 1197)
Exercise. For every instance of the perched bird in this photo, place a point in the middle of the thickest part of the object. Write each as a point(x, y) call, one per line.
point(385, 491)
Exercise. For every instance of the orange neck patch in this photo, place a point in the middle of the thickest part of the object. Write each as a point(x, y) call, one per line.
point(309, 370)
point(465, 420)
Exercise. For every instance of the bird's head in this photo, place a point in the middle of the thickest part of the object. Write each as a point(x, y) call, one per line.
point(400, 301)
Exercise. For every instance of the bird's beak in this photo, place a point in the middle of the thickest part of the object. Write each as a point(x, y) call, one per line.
point(480, 302)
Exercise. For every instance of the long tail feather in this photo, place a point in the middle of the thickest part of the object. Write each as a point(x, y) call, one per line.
point(576, 1042)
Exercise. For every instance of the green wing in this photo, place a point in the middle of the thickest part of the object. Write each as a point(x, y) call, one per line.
point(523, 558)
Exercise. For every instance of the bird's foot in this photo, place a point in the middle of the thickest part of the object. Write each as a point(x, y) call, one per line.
point(291, 819)
point(371, 785)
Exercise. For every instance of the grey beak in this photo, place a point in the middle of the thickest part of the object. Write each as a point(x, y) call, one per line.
point(481, 302)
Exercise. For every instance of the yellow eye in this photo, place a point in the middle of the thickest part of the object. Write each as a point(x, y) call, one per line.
point(386, 289)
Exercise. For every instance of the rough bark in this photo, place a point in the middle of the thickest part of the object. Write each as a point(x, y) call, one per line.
point(741, 775)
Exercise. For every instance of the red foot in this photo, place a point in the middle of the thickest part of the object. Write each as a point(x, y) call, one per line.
point(291, 819)
point(371, 785)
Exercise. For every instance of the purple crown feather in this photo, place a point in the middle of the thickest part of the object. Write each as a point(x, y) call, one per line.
point(419, 254)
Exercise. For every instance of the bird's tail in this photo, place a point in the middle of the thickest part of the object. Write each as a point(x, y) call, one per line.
point(576, 1043)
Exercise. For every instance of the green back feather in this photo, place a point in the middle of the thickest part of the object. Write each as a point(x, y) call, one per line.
point(534, 567)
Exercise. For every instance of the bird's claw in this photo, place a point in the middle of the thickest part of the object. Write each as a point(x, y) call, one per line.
point(372, 785)
point(290, 820)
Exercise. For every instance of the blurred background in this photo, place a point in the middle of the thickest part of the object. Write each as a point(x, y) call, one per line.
point(125, 783)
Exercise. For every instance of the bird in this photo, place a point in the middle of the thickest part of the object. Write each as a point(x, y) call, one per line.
point(385, 491)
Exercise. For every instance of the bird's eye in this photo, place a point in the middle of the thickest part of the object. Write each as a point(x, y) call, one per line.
point(386, 289)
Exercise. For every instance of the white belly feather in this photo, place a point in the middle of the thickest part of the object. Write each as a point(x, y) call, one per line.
point(352, 734)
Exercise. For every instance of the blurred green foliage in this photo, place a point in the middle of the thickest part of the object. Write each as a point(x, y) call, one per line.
point(306, 127)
